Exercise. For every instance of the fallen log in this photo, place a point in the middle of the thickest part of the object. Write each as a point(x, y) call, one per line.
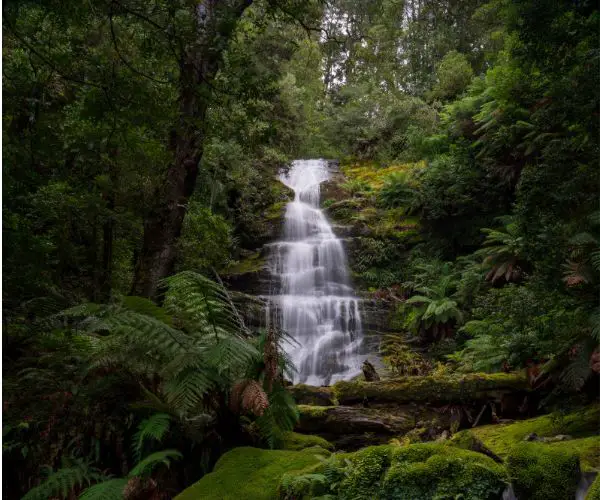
point(434, 390)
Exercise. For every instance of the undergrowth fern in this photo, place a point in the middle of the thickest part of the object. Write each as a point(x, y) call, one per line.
point(153, 428)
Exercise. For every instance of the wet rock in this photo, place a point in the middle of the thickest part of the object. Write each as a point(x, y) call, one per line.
point(251, 308)
point(369, 371)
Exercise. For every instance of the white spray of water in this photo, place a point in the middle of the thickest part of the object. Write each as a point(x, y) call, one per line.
point(314, 302)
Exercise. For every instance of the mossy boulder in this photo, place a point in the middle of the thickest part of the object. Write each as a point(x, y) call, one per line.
point(433, 389)
point(430, 471)
point(296, 441)
point(421, 471)
point(582, 425)
point(250, 474)
point(539, 472)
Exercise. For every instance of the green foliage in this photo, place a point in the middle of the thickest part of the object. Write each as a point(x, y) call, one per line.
point(454, 74)
point(537, 472)
point(396, 191)
point(502, 252)
point(150, 429)
point(111, 489)
point(62, 482)
point(517, 324)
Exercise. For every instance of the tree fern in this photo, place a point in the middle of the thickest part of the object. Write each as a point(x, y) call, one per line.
point(203, 304)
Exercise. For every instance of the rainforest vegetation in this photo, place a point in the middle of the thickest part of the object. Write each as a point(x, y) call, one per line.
point(141, 146)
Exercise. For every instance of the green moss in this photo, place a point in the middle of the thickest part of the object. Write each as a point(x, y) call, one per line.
point(501, 438)
point(311, 395)
point(250, 474)
point(374, 175)
point(439, 471)
point(312, 411)
point(587, 449)
point(594, 491)
point(539, 472)
point(365, 472)
point(422, 471)
point(297, 441)
point(433, 389)
point(254, 263)
point(276, 210)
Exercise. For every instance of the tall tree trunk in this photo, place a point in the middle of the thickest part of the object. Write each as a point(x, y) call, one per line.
point(215, 22)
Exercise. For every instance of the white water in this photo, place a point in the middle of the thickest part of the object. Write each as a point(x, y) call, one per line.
point(314, 302)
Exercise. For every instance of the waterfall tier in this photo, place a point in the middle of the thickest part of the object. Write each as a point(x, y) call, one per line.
point(313, 300)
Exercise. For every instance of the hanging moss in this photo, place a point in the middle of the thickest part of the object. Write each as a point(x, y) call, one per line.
point(539, 472)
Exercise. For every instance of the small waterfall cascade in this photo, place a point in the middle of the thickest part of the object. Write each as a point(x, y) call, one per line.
point(312, 298)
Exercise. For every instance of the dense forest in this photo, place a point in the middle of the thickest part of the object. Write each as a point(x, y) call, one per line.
point(142, 143)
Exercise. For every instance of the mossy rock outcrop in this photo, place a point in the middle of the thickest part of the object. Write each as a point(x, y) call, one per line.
point(580, 427)
point(539, 472)
point(250, 474)
point(421, 471)
point(433, 389)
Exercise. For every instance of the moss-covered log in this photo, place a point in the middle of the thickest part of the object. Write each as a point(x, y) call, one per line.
point(341, 420)
point(351, 427)
point(311, 395)
point(434, 390)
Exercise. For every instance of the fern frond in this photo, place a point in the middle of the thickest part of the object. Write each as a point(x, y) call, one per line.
point(64, 481)
point(106, 490)
point(148, 464)
point(145, 306)
point(153, 428)
point(203, 303)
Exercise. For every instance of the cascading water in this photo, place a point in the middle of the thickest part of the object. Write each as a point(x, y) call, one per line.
point(314, 302)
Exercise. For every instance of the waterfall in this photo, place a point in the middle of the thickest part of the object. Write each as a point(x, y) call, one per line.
point(313, 300)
